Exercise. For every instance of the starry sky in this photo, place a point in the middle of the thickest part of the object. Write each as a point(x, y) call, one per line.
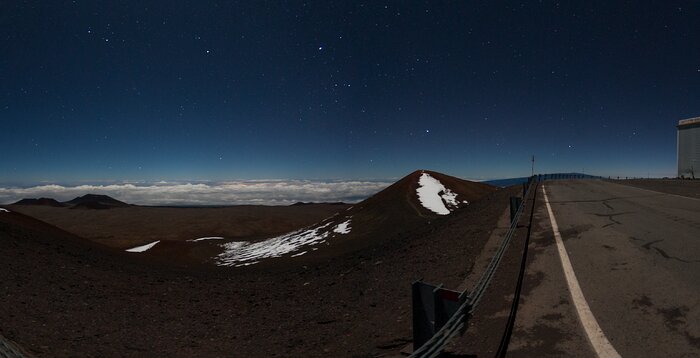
point(105, 91)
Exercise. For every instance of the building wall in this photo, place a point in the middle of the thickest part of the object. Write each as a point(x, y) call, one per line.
point(689, 150)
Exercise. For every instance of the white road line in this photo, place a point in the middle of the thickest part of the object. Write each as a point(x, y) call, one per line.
point(600, 343)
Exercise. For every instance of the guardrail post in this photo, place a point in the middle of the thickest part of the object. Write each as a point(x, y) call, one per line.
point(423, 312)
point(514, 205)
point(433, 306)
point(447, 302)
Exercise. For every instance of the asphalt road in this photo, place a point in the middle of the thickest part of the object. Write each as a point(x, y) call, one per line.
point(636, 255)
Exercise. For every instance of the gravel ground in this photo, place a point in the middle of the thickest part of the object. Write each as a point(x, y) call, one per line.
point(62, 296)
point(126, 227)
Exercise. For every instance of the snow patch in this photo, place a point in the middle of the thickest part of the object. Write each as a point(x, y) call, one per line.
point(450, 197)
point(143, 248)
point(248, 263)
point(4, 210)
point(343, 228)
point(433, 195)
point(206, 238)
point(243, 253)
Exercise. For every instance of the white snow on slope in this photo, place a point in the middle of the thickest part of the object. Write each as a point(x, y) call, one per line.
point(4, 210)
point(450, 197)
point(143, 248)
point(343, 228)
point(206, 238)
point(431, 194)
point(243, 253)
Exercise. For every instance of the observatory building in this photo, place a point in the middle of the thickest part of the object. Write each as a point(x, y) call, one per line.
point(689, 148)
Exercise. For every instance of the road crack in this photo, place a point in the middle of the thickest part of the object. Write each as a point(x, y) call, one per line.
point(611, 217)
point(664, 254)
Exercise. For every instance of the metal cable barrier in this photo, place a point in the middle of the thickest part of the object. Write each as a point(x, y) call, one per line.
point(485, 280)
point(505, 339)
point(456, 323)
point(9, 350)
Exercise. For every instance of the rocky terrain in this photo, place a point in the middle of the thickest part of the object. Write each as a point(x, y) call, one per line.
point(64, 295)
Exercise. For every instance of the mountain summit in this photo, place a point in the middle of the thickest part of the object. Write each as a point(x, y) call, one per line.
point(411, 202)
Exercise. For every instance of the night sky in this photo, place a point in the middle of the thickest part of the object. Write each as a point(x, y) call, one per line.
point(94, 92)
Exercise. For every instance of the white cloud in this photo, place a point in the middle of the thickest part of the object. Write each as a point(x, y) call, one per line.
point(256, 192)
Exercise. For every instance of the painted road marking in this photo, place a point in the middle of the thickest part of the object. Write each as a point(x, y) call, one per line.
point(600, 343)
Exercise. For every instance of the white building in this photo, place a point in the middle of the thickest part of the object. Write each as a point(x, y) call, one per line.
point(689, 148)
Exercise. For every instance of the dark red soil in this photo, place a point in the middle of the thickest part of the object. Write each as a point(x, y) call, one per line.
point(393, 211)
point(125, 227)
point(62, 296)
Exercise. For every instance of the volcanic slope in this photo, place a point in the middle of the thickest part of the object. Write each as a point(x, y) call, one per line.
point(133, 225)
point(66, 297)
point(47, 245)
point(419, 198)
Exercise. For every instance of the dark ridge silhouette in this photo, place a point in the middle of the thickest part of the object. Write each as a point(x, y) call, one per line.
point(301, 203)
point(94, 201)
point(40, 201)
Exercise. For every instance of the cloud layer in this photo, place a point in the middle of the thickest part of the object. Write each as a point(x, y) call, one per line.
point(254, 192)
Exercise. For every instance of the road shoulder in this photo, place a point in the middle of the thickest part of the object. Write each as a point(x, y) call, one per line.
point(547, 324)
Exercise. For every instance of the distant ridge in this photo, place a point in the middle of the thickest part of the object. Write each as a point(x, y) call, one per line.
point(88, 201)
point(40, 201)
point(302, 203)
point(95, 201)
